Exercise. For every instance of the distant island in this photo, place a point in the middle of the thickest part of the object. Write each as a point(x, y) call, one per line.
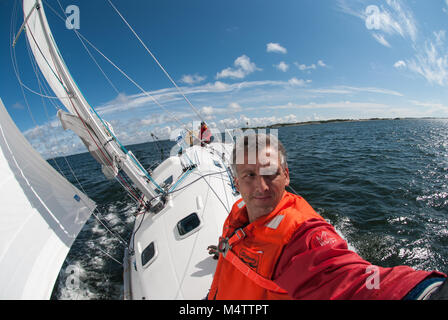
point(280, 125)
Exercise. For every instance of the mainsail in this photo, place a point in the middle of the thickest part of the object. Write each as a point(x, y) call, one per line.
point(47, 55)
point(90, 140)
point(41, 215)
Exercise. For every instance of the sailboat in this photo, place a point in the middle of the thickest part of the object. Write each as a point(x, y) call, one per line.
point(182, 203)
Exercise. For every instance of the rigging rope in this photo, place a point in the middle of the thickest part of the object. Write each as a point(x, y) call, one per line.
point(82, 38)
point(158, 63)
point(14, 58)
point(138, 86)
point(98, 116)
point(123, 73)
point(132, 81)
point(156, 60)
point(107, 158)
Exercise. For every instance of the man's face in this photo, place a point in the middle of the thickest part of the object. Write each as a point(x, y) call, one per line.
point(262, 184)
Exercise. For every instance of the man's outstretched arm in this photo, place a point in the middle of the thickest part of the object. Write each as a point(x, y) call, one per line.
point(317, 264)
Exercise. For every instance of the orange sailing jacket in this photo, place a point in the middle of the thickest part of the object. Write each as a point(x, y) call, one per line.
point(259, 246)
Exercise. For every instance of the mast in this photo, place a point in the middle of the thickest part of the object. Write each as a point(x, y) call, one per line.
point(57, 75)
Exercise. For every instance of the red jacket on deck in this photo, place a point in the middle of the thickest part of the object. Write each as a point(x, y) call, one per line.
point(206, 134)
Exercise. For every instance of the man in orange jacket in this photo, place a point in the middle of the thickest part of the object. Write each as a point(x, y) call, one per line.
point(275, 246)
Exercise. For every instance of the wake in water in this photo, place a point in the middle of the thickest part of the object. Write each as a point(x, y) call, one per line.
point(93, 269)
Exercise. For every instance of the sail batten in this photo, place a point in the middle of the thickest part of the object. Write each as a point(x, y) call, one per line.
point(41, 215)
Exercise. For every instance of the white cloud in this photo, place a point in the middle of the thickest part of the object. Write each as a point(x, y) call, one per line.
point(372, 90)
point(402, 20)
point(335, 105)
point(298, 82)
point(380, 38)
point(440, 36)
point(313, 66)
point(392, 19)
point(320, 63)
point(210, 93)
point(430, 104)
point(431, 63)
point(430, 60)
point(275, 47)
point(346, 90)
point(282, 66)
point(192, 79)
point(234, 107)
point(400, 64)
point(218, 86)
point(208, 112)
point(153, 119)
point(170, 97)
point(231, 73)
point(51, 141)
point(304, 67)
point(243, 67)
point(244, 121)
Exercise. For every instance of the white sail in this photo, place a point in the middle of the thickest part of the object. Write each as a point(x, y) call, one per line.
point(41, 214)
point(36, 27)
point(88, 137)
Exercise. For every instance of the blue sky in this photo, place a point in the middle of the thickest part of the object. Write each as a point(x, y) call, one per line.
point(253, 61)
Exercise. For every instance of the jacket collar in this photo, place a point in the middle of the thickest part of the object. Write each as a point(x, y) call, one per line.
point(240, 219)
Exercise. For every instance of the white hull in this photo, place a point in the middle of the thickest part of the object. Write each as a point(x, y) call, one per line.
point(181, 267)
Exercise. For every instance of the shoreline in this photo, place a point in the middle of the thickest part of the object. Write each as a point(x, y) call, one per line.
point(281, 125)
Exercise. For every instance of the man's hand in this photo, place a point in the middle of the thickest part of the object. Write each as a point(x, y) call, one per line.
point(213, 250)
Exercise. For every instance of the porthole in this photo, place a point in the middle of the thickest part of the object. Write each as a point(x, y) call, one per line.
point(188, 225)
point(168, 181)
point(149, 254)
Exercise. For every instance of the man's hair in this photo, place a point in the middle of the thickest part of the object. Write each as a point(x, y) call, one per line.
point(256, 143)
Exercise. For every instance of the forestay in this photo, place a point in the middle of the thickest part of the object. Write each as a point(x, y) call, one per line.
point(41, 215)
